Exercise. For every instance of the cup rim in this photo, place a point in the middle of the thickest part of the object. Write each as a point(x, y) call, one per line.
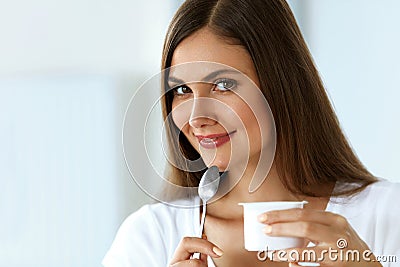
point(271, 203)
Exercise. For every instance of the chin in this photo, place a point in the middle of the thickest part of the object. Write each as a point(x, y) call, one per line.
point(222, 166)
point(216, 158)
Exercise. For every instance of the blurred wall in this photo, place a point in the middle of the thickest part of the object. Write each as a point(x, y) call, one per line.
point(96, 36)
point(67, 72)
point(355, 46)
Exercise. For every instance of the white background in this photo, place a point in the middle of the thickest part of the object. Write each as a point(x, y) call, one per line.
point(67, 71)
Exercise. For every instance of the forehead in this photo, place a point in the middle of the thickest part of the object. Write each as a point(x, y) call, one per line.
point(205, 46)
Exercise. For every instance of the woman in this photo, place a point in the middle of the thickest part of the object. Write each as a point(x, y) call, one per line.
point(313, 160)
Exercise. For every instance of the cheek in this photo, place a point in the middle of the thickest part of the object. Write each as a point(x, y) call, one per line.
point(259, 125)
point(250, 123)
point(180, 113)
point(244, 113)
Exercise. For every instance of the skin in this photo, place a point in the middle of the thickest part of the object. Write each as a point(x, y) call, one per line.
point(224, 221)
point(209, 108)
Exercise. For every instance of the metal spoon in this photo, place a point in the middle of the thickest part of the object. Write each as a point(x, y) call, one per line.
point(208, 187)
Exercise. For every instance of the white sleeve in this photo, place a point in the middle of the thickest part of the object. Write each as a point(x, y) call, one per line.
point(390, 215)
point(138, 242)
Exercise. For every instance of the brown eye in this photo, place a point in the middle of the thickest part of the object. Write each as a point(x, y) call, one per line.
point(182, 90)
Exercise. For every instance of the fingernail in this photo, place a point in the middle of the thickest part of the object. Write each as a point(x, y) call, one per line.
point(268, 229)
point(217, 251)
point(262, 217)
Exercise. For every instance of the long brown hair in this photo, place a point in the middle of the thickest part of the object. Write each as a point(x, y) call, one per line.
point(311, 150)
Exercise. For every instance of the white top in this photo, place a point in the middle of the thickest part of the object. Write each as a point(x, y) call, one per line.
point(149, 236)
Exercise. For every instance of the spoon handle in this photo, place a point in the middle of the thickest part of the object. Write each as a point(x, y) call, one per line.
point(203, 218)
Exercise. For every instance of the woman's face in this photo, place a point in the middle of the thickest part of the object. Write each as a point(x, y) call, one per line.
point(215, 106)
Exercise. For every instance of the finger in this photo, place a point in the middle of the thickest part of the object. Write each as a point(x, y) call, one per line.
point(191, 263)
point(307, 215)
point(203, 257)
point(190, 245)
point(312, 231)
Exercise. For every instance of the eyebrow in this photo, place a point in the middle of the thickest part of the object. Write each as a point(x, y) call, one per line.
point(209, 77)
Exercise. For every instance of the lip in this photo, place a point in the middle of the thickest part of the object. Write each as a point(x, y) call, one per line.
point(214, 140)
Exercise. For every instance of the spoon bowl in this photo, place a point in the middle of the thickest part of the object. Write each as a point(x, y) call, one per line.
point(209, 183)
point(208, 187)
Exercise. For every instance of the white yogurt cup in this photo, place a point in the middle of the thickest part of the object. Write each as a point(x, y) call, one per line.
point(254, 237)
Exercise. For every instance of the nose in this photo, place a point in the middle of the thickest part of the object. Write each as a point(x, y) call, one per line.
point(202, 113)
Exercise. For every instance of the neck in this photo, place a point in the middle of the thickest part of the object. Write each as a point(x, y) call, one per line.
point(226, 205)
point(233, 191)
point(271, 188)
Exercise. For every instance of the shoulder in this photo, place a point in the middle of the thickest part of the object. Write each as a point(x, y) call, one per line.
point(383, 184)
point(373, 213)
point(383, 199)
point(379, 193)
point(142, 219)
point(150, 235)
point(382, 202)
point(382, 192)
point(160, 217)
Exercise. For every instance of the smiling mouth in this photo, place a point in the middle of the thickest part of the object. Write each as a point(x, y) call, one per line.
point(215, 140)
